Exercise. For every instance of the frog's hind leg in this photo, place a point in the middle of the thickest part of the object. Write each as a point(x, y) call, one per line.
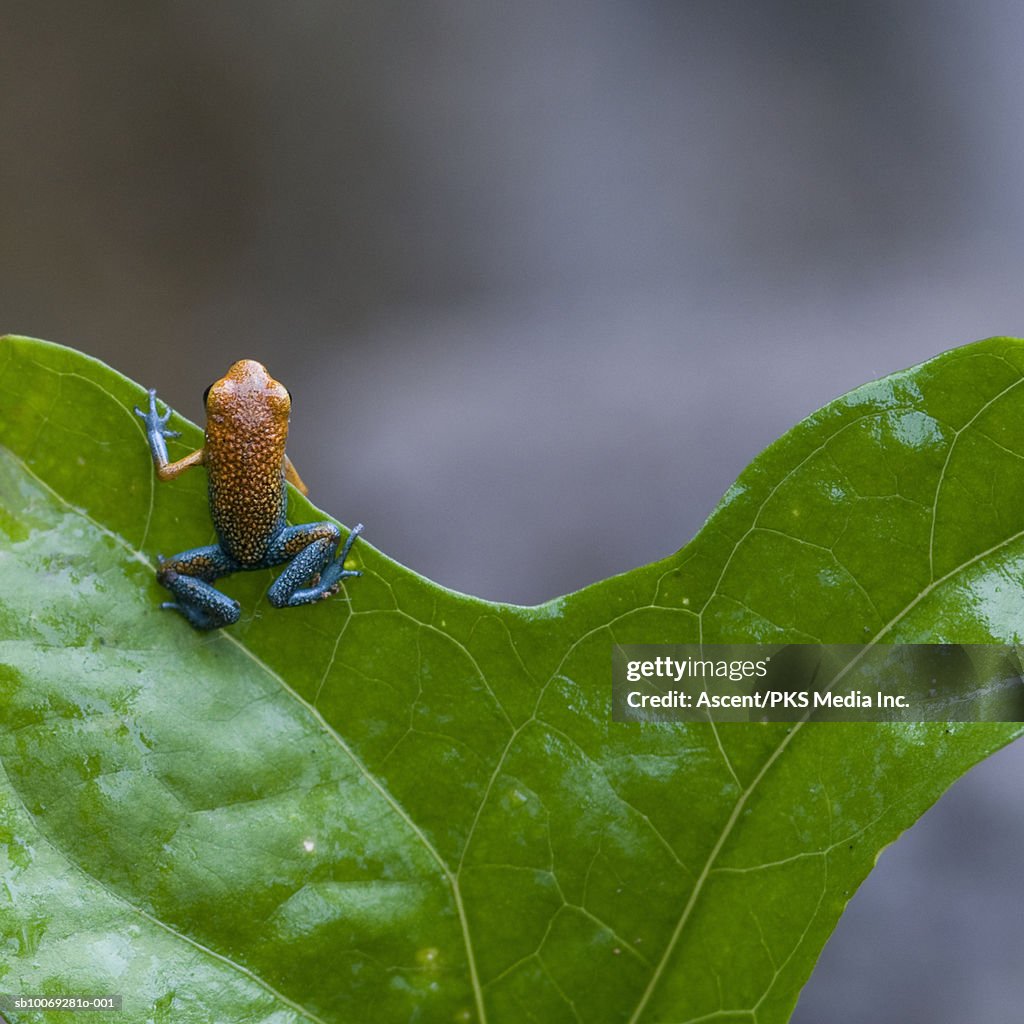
point(187, 577)
point(311, 548)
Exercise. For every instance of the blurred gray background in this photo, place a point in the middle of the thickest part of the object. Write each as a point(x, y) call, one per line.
point(542, 279)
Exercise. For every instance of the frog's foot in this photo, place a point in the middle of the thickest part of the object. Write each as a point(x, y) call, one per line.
point(335, 572)
point(155, 423)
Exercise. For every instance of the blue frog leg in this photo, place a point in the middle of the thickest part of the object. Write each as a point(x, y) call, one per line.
point(156, 434)
point(311, 548)
point(187, 576)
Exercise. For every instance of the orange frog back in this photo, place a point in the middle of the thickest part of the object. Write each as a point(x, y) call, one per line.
point(246, 429)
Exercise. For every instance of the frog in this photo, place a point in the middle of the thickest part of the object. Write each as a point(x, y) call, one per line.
point(248, 473)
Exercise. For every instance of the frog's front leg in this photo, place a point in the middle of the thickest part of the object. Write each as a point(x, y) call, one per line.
point(156, 433)
point(311, 548)
point(187, 576)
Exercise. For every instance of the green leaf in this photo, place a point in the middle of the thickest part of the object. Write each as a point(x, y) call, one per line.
point(404, 804)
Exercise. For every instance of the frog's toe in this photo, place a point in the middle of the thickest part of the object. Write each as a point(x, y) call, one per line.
point(333, 575)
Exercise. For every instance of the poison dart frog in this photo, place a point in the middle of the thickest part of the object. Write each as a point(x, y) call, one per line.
point(246, 428)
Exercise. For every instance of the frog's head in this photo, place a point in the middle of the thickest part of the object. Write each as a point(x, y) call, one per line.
point(246, 389)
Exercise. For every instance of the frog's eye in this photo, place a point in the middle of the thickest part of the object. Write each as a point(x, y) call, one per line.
point(206, 394)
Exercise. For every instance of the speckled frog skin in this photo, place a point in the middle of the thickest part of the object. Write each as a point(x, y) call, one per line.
point(246, 429)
